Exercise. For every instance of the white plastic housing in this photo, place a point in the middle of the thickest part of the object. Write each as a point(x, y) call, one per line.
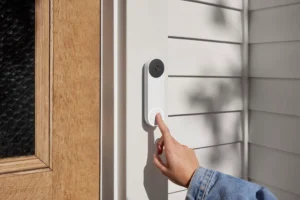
point(154, 96)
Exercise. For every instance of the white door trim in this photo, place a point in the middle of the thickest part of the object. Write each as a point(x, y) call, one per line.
point(113, 93)
point(245, 79)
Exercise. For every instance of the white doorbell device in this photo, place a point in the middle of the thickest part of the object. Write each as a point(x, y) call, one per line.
point(154, 90)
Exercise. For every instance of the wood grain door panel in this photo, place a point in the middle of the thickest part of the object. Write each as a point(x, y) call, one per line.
point(67, 114)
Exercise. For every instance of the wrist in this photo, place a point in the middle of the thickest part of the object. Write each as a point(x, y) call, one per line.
point(190, 178)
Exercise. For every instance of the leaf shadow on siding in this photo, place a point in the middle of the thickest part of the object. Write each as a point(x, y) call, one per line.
point(226, 92)
point(219, 15)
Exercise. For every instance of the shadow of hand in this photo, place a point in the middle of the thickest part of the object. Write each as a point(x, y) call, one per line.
point(156, 185)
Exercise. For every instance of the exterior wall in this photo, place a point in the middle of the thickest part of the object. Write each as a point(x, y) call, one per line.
point(275, 95)
point(205, 97)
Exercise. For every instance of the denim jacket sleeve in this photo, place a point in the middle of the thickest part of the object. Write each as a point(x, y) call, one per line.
point(208, 184)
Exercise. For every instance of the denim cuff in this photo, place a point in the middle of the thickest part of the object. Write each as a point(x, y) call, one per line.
point(200, 184)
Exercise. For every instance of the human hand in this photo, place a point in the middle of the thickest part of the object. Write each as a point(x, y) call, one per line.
point(181, 161)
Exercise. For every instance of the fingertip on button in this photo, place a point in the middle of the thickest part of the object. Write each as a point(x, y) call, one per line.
point(153, 114)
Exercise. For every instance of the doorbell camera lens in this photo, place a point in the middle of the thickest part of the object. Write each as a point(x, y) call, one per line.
point(156, 68)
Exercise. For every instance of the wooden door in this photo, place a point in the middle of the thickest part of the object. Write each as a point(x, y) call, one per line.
point(50, 91)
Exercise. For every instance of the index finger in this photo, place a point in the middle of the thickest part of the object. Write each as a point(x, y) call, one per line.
point(162, 127)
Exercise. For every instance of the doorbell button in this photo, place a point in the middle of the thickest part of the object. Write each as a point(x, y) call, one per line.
point(154, 90)
point(152, 116)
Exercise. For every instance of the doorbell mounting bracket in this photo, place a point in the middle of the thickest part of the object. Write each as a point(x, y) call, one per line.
point(154, 90)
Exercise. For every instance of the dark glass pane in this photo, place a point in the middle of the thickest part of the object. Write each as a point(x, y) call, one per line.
point(17, 33)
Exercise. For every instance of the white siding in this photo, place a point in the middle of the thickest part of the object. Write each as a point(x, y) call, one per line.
point(196, 20)
point(274, 96)
point(236, 4)
point(204, 95)
point(201, 95)
point(200, 58)
point(275, 131)
point(275, 167)
point(275, 60)
point(206, 130)
point(261, 4)
point(276, 24)
point(177, 195)
point(279, 193)
point(224, 158)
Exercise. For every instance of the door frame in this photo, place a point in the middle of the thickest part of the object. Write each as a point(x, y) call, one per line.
point(113, 99)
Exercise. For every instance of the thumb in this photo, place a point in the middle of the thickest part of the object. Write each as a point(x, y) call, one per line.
point(163, 127)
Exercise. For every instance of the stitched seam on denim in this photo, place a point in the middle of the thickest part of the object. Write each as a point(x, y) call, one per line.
point(204, 183)
point(199, 196)
point(208, 184)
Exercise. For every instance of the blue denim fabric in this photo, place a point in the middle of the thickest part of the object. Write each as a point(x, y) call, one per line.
point(208, 184)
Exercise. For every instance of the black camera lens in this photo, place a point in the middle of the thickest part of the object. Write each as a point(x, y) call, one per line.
point(156, 68)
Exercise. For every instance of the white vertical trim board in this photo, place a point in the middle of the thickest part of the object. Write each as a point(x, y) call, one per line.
point(112, 100)
point(245, 83)
point(107, 101)
point(146, 38)
point(120, 99)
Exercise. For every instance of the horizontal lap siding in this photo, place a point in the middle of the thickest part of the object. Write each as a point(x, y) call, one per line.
point(262, 4)
point(177, 195)
point(274, 167)
point(275, 131)
point(200, 58)
point(279, 193)
point(204, 95)
point(235, 4)
point(196, 20)
point(275, 95)
point(206, 130)
point(276, 24)
point(275, 60)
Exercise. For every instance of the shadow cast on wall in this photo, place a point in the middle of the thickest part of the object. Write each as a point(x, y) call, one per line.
point(156, 185)
point(225, 92)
